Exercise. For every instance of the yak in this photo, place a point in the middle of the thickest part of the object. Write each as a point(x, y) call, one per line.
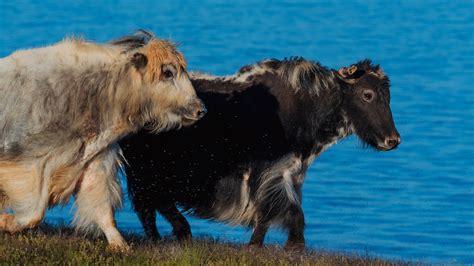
point(63, 108)
point(246, 161)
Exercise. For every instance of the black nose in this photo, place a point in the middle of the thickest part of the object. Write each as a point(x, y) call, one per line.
point(200, 109)
point(392, 142)
point(202, 112)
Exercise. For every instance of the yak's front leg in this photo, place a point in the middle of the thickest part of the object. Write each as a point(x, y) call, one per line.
point(181, 227)
point(8, 223)
point(294, 221)
point(99, 194)
point(25, 193)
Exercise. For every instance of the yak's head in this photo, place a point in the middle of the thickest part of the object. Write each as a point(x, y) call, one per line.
point(367, 105)
point(166, 89)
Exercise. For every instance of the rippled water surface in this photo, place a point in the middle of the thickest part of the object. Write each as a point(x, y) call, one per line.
point(414, 203)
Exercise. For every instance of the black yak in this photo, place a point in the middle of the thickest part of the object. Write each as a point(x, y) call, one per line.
point(245, 162)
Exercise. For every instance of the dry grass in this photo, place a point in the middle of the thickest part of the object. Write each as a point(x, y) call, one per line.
point(60, 245)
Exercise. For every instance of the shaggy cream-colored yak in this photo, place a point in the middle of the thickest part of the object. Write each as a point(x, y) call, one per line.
point(62, 110)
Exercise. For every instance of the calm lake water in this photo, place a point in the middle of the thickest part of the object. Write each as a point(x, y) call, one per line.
point(415, 203)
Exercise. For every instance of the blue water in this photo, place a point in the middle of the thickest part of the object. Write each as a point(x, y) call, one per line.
point(415, 203)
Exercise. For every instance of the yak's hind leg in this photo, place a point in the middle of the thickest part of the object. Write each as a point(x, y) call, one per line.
point(99, 194)
point(181, 228)
point(25, 193)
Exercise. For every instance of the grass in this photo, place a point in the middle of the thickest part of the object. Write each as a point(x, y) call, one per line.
point(60, 245)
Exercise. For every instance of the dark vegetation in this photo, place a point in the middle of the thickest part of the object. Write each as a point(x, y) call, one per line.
point(61, 245)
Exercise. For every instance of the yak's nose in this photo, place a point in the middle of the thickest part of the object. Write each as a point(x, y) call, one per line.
point(201, 113)
point(200, 110)
point(392, 142)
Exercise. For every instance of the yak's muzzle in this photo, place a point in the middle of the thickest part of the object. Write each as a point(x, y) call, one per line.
point(390, 143)
point(195, 111)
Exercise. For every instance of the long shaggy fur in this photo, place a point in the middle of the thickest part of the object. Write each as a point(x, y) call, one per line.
point(98, 191)
point(63, 107)
point(236, 204)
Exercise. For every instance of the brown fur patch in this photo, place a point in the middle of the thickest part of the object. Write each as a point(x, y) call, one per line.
point(7, 223)
point(161, 52)
point(61, 187)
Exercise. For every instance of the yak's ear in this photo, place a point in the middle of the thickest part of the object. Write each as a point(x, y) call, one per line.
point(350, 74)
point(139, 60)
point(379, 72)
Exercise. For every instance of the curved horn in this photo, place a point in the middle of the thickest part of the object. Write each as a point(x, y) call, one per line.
point(351, 70)
point(347, 72)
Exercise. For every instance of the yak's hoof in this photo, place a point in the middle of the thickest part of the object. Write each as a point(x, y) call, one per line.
point(153, 237)
point(185, 238)
point(294, 247)
point(253, 246)
point(120, 247)
point(7, 223)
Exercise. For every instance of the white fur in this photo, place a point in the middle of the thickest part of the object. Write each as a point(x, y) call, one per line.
point(287, 168)
point(100, 194)
point(239, 212)
point(280, 193)
point(240, 77)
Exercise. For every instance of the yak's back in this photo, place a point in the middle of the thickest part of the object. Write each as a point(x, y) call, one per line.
point(36, 84)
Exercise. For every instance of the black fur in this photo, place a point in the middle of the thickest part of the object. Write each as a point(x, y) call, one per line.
point(254, 128)
point(131, 42)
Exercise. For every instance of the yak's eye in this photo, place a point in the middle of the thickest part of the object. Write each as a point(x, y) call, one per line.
point(368, 95)
point(168, 72)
